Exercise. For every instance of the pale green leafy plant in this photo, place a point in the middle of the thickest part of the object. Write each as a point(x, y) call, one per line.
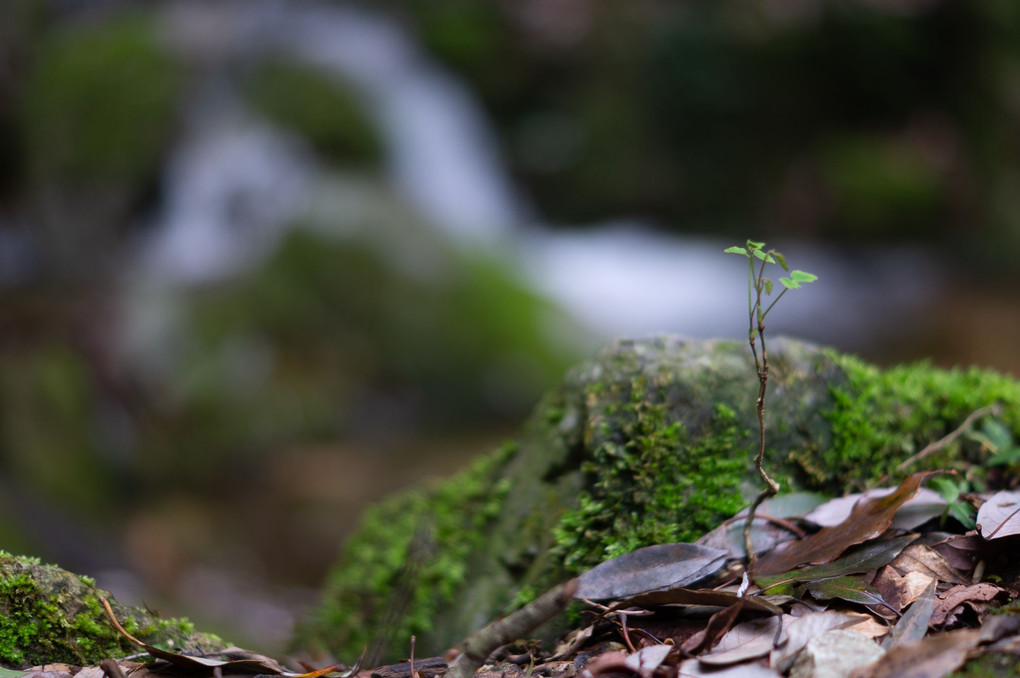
point(759, 288)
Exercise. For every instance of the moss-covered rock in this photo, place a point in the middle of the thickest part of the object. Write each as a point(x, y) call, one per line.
point(649, 442)
point(97, 110)
point(318, 108)
point(51, 615)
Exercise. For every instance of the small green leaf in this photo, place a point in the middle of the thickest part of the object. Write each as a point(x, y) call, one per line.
point(768, 286)
point(789, 284)
point(947, 488)
point(1005, 458)
point(998, 434)
point(803, 276)
point(755, 245)
point(764, 256)
point(735, 250)
point(781, 259)
point(963, 513)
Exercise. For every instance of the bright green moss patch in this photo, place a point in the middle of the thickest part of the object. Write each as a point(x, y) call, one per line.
point(409, 557)
point(50, 615)
point(991, 665)
point(884, 416)
point(99, 102)
point(318, 108)
point(655, 483)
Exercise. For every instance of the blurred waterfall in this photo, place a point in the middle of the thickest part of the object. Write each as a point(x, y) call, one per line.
point(235, 182)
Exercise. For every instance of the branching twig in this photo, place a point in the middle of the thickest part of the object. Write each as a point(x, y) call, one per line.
point(934, 447)
point(757, 285)
point(771, 486)
point(476, 649)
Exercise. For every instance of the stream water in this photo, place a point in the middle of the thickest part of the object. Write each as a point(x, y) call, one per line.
point(234, 183)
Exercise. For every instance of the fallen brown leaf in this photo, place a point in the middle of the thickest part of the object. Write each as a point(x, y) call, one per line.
point(718, 625)
point(914, 512)
point(869, 519)
point(923, 558)
point(901, 590)
point(647, 660)
point(749, 640)
point(835, 653)
point(681, 596)
point(913, 625)
point(798, 631)
point(960, 551)
point(949, 604)
point(865, 558)
point(693, 669)
point(932, 657)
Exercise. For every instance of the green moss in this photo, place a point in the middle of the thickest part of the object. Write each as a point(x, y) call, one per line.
point(318, 108)
point(47, 427)
point(345, 309)
point(409, 557)
point(50, 615)
point(98, 102)
point(989, 666)
point(882, 417)
point(651, 442)
point(653, 482)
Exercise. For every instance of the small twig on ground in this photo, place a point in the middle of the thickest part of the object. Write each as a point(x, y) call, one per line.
point(779, 522)
point(479, 645)
point(934, 447)
point(771, 488)
point(626, 632)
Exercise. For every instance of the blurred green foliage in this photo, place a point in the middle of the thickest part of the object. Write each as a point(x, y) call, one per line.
point(96, 112)
point(335, 307)
point(48, 425)
point(317, 108)
point(99, 102)
point(846, 120)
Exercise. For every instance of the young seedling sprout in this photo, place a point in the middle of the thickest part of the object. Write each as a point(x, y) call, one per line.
point(758, 286)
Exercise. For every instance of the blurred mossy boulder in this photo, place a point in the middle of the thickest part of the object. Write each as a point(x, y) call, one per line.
point(48, 435)
point(357, 324)
point(317, 107)
point(363, 325)
point(97, 110)
point(49, 615)
point(648, 442)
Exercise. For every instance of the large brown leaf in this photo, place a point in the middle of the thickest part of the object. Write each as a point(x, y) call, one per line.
point(869, 518)
point(933, 657)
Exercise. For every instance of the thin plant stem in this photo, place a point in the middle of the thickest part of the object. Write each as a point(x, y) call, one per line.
point(756, 313)
point(761, 366)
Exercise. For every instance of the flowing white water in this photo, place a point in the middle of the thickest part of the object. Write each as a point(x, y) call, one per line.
point(234, 183)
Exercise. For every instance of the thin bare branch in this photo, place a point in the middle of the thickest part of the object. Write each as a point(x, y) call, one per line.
point(479, 645)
